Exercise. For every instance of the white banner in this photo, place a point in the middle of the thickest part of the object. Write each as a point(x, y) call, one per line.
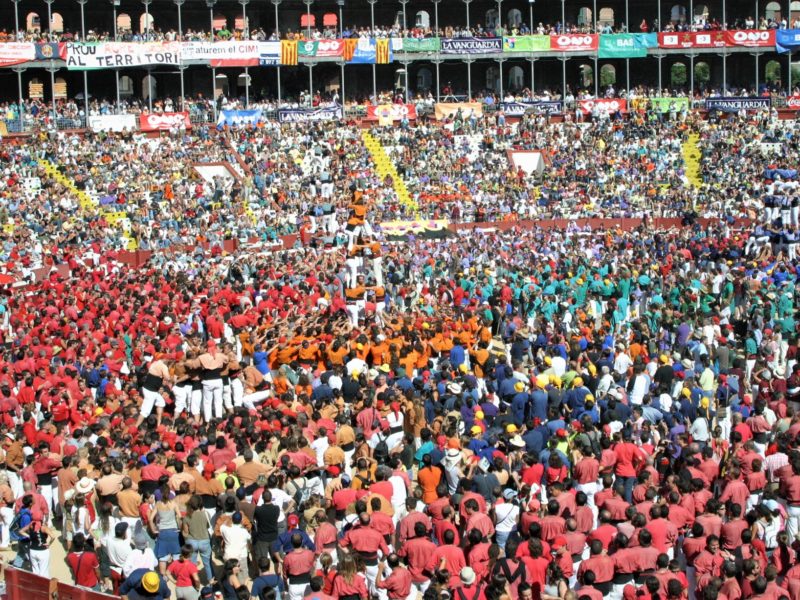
point(229, 54)
point(108, 55)
point(113, 123)
point(14, 53)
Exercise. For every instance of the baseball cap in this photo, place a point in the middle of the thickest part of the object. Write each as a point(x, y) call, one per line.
point(292, 520)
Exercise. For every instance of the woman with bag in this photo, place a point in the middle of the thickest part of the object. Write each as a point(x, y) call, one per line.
point(164, 521)
point(195, 528)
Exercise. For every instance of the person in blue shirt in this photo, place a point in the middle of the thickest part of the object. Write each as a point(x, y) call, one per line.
point(533, 438)
point(266, 580)
point(25, 520)
point(519, 404)
point(283, 545)
point(426, 447)
point(144, 584)
point(457, 355)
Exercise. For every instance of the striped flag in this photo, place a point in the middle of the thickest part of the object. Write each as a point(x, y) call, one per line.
point(350, 46)
point(383, 51)
point(288, 52)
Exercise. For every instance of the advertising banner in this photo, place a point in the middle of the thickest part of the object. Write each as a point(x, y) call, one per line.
point(321, 48)
point(517, 109)
point(448, 110)
point(228, 54)
point(737, 104)
point(421, 45)
point(165, 121)
point(239, 117)
point(692, 39)
point(425, 228)
point(793, 102)
point(526, 43)
point(305, 115)
point(392, 112)
point(608, 105)
point(626, 45)
point(372, 52)
point(80, 56)
point(574, 42)
point(752, 38)
point(15, 53)
point(787, 40)
point(471, 45)
point(112, 123)
point(663, 104)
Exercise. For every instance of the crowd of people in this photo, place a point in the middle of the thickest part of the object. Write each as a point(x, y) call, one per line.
point(582, 24)
point(498, 411)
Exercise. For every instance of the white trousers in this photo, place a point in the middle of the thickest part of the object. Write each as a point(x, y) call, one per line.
point(40, 562)
point(793, 522)
point(182, 394)
point(149, 400)
point(7, 516)
point(212, 398)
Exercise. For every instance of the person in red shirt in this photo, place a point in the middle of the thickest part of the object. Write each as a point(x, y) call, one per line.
point(448, 556)
point(398, 583)
point(184, 574)
point(349, 582)
point(298, 565)
point(84, 564)
point(417, 552)
point(467, 586)
point(628, 460)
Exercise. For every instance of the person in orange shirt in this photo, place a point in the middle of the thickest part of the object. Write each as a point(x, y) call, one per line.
point(429, 478)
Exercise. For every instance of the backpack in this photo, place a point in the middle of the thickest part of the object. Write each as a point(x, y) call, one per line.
point(381, 451)
point(16, 525)
point(303, 493)
point(264, 593)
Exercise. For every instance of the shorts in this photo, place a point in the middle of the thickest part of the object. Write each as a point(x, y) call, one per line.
point(149, 400)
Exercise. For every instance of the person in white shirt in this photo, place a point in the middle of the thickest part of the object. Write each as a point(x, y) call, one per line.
point(119, 548)
point(236, 540)
point(319, 446)
point(141, 557)
point(506, 516)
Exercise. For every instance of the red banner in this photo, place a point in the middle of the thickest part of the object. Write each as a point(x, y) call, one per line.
point(164, 121)
point(793, 102)
point(573, 42)
point(692, 39)
point(752, 38)
point(395, 112)
point(609, 105)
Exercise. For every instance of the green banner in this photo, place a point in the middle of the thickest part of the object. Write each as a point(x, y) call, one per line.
point(308, 48)
point(421, 45)
point(663, 104)
point(526, 43)
point(626, 45)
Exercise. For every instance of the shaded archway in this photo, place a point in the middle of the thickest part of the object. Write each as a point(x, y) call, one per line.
point(773, 11)
point(608, 75)
point(493, 78)
point(678, 13)
point(772, 72)
point(586, 75)
point(149, 87)
point(422, 19)
point(126, 86)
point(678, 75)
point(702, 73)
point(584, 16)
point(606, 17)
point(514, 18)
point(124, 23)
point(424, 79)
point(516, 78)
point(57, 23)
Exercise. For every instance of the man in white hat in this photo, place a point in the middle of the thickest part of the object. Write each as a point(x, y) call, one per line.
point(469, 588)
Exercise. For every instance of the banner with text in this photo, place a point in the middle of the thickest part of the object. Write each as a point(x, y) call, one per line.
point(306, 115)
point(727, 104)
point(321, 48)
point(517, 109)
point(692, 39)
point(391, 112)
point(793, 102)
point(228, 54)
point(235, 118)
point(574, 42)
point(165, 121)
point(666, 104)
point(105, 55)
point(422, 45)
point(448, 110)
point(787, 40)
point(15, 53)
point(603, 105)
point(472, 45)
point(526, 43)
point(626, 45)
point(752, 38)
point(115, 123)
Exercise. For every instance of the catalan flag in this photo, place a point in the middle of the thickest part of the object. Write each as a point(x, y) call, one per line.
point(383, 52)
point(288, 52)
point(350, 46)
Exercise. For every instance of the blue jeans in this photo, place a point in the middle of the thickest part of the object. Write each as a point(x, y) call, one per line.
point(204, 548)
point(501, 537)
point(628, 482)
